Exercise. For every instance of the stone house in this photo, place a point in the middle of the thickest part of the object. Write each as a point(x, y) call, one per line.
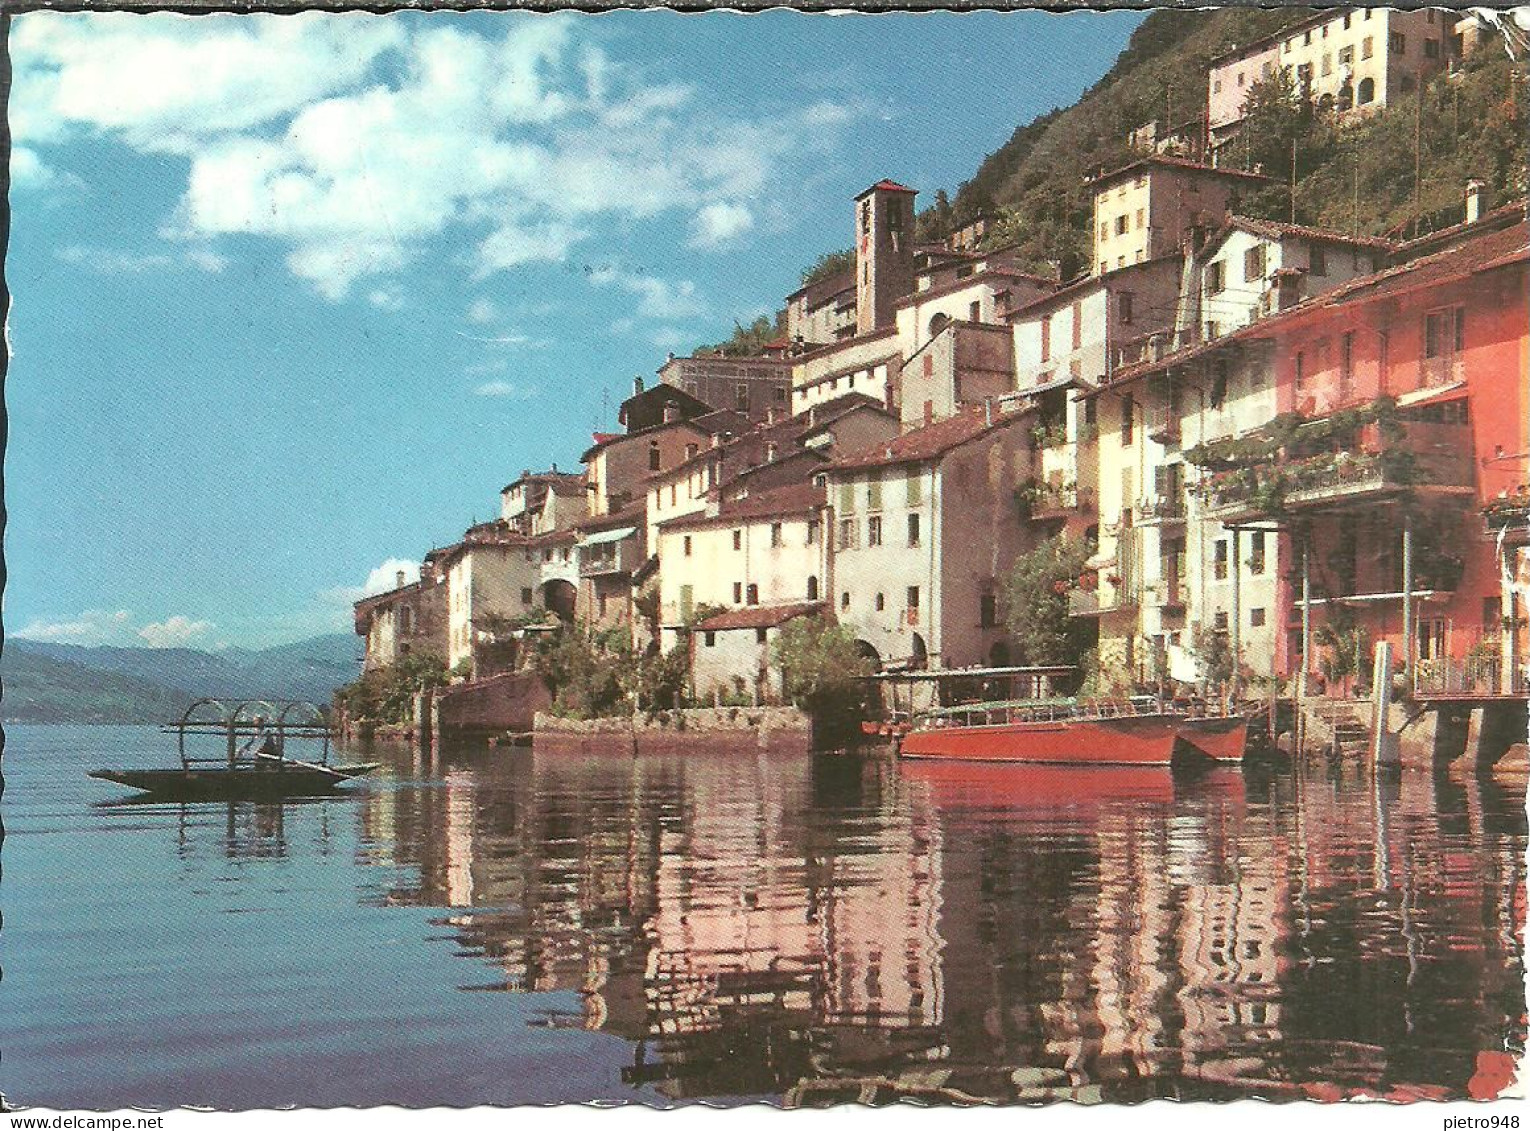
point(964, 363)
point(731, 651)
point(1343, 60)
point(925, 528)
point(488, 580)
point(544, 502)
point(409, 619)
point(766, 550)
point(974, 289)
point(754, 387)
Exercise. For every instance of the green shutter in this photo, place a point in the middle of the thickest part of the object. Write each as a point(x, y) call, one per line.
point(846, 498)
point(915, 488)
point(687, 601)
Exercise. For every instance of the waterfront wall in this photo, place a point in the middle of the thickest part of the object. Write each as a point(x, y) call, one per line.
point(714, 728)
point(508, 702)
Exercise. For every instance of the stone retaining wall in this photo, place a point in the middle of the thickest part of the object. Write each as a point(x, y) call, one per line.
point(708, 728)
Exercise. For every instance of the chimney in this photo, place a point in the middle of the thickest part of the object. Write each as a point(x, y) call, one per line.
point(400, 578)
point(671, 412)
point(717, 439)
point(1474, 190)
point(637, 385)
point(770, 452)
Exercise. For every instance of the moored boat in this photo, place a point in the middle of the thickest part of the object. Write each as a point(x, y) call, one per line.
point(1051, 734)
point(285, 778)
point(1222, 738)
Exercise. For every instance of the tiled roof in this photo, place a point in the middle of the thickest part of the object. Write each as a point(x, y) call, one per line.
point(1177, 163)
point(800, 498)
point(1476, 253)
point(1276, 230)
point(888, 186)
point(758, 616)
point(931, 441)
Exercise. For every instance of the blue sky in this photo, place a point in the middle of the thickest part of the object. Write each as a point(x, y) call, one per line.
point(293, 297)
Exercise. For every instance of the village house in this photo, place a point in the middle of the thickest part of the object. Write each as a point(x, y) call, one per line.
point(967, 289)
point(765, 555)
point(1155, 206)
point(409, 619)
point(964, 363)
point(926, 527)
point(544, 502)
point(822, 311)
point(754, 387)
point(1412, 386)
point(1342, 60)
point(489, 582)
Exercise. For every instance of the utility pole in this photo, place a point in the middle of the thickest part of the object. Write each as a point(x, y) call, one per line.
point(1418, 156)
point(1293, 180)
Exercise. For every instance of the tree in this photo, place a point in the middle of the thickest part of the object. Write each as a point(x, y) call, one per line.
point(820, 664)
point(829, 264)
point(1036, 603)
point(747, 341)
point(386, 694)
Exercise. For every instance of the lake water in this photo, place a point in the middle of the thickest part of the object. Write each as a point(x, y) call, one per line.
point(509, 927)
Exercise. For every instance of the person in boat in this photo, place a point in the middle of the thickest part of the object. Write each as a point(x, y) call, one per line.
point(262, 743)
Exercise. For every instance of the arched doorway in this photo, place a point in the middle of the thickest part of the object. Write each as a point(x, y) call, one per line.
point(558, 598)
point(919, 657)
point(938, 323)
point(868, 652)
point(998, 655)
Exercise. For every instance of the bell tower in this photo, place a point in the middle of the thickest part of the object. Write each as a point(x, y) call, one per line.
point(884, 252)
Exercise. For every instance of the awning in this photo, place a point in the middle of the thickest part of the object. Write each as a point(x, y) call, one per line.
point(1450, 392)
point(605, 536)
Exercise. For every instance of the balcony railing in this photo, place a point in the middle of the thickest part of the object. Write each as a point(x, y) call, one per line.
point(1084, 603)
point(1470, 676)
point(1168, 593)
point(1508, 513)
point(1161, 509)
point(594, 565)
point(1061, 501)
point(1316, 481)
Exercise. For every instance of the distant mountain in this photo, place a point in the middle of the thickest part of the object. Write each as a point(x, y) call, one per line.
point(71, 683)
point(40, 689)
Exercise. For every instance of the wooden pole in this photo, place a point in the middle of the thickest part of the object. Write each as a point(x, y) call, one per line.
point(1407, 596)
point(1237, 609)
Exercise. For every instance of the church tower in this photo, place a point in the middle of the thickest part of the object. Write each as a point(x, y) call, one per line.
point(884, 253)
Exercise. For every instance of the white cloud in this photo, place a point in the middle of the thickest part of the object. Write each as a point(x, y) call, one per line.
point(119, 261)
point(719, 224)
point(94, 626)
point(387, 298)
point(385, 576)
point(479, 368)
point(657, 298)
point(29, 172)
point(506, 389)
point(352, 141)
point(482, 312)
point(667, 338)
point(174, 632)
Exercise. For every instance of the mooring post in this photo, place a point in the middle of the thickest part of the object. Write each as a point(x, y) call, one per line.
point(1384, 744)
point(1237, 609)
point(1301, 680)
point(1407, 597)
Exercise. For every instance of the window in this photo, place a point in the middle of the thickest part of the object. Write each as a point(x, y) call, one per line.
point(1128, 412)
point(1327, 67)
point(1256, 618)
point(1219, 560)
point(880, 602)
point(1346, 21)
point(844, 599)
point(914, 485)
point(1253, 264)
point(1121, 223)
point(846, 534)
point(1306, 39)
point(1221, 622)
point(1124, 307)
point(525, 596)
point(874, 491)
point(687, 601)
point(1317, 260)
point(1216, 86)
point(1346, 55)
point(913, 530)
point(913, 596)
point(1367, 92)
point(874, 531)
point(775, 536)
point(1300, 367)
point(1346, 364)
point(988, 610)
point(1078, 324)
point(738, 592)
point(974, 312)
point(547, 555)
point(673, 488)
point(1219, 383)
point(1046, 337)
point(812, 587)
point(710, 639)
point(813, 532)
point(686, 545)
point(752, 595)
point(1214, 280)
point(846, 497)
point(1398, 43)
point(1304, 76)
point(1365, 48)
point(1443, 332)
point(1141, 218)
point(760, 635)
point(738, 539)
point(1256, 552)
point(1213, 331)
point(655, 459)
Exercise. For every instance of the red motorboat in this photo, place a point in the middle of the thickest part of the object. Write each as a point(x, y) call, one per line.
point(1100, 734)
point(1222, 738)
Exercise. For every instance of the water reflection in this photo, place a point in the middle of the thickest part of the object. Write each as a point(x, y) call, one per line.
point(832, 929)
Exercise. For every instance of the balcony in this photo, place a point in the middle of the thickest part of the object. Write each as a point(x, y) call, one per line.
point(1105, 598)
point(597, 565)
point(1331, 479)
point(1161, 510)
point(1169, 594)
point(1061, 501)
point(1511, 515)
point(1164, 431)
